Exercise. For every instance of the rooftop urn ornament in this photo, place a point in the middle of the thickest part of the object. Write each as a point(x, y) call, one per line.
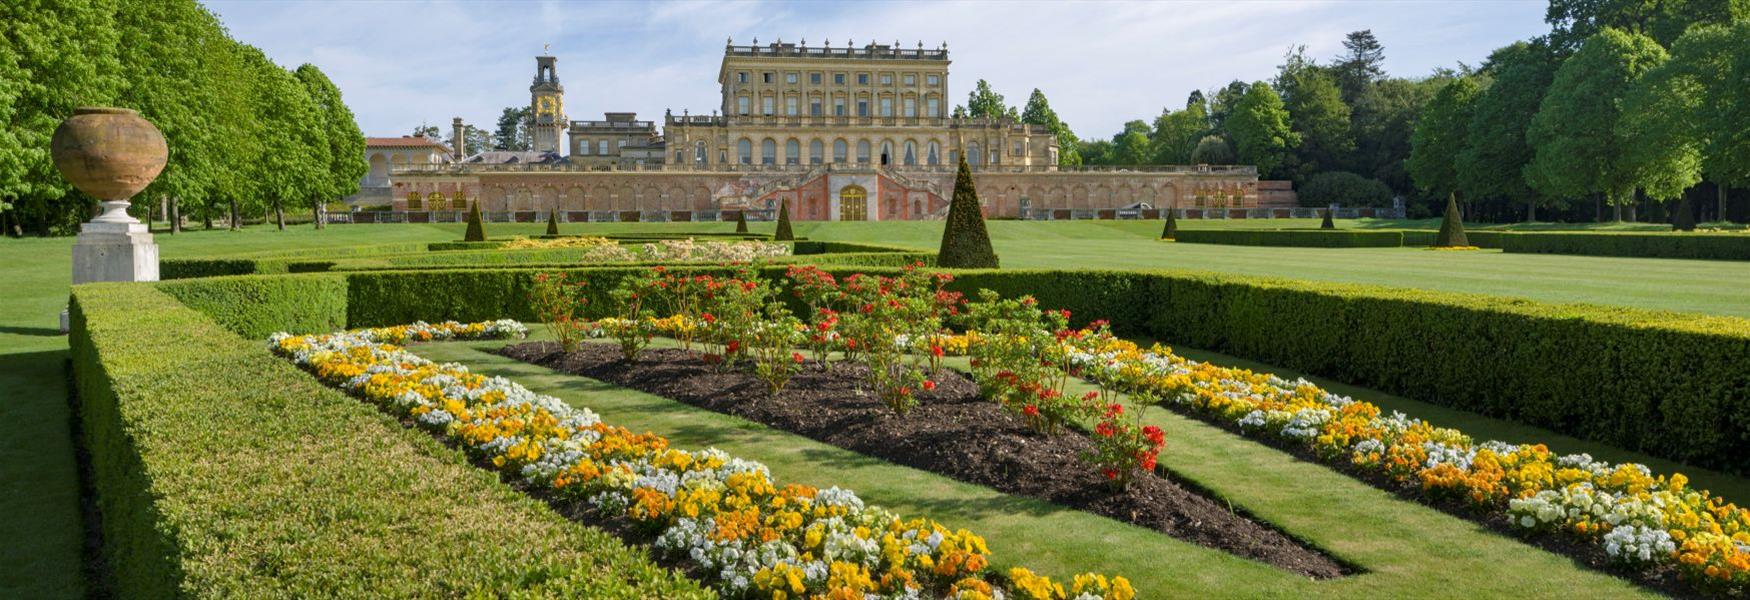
point(110, 154)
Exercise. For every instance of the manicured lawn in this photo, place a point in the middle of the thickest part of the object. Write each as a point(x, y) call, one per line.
point(1405, 549)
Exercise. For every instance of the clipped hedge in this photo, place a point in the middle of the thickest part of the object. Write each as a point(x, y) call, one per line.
point(1722, 246)
point(1305, 238)
point(256, 306)
point(222, 471)
point(1669, 384)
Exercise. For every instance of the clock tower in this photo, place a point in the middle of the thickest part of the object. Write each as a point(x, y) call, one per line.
point(546, 108)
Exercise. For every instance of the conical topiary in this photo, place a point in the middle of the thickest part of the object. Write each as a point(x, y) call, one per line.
point(784, 233)
point(476, 231)
point(965, 242)
point(741, 221)
point(1684, 220)
point(1452, 227)
point(1328, 223)
point(1171, 230)
point(553, 223)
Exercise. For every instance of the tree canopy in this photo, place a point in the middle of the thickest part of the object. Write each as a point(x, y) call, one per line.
point(1260, 132)
point(1440, 137)
point(1578, 149)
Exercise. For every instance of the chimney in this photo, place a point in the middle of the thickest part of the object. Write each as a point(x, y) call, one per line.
point(458, 140)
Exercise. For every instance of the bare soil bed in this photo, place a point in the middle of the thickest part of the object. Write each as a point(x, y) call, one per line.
point(953, 432)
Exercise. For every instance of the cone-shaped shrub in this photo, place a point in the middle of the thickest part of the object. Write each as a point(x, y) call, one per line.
point(965, 242)
point(1171, 230)
point(784, 233)
point(1684, 220)
point(1452, 228)
point(553, 223)
point(1328, 222)
point(741, 221)
point(476, 231)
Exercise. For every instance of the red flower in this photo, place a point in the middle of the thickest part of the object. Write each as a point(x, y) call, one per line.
point(1104, 429)
point(929, 385)
point(1090, 396)
point(733, 346)
point(1031, 410)
point(1111, 474)
point(708, 318)
point(1154, 434)
point(796, 356)
point(1148, 462)
point(936, 351)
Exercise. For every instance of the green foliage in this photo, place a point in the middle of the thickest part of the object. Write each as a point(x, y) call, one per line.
point(1724, 246)
point(1260, 132)
point(784, 233)
point(1170, 231)
point(256, 306)
point(1683, 218)
point(219, 468)
point(476, 229)
point(513, 129)
point(1575, 137)
point(1326, 221)
point(1133, 149)
point(1344, 188)
point(1572, 22)
point(346, 144)
point(1178, 135)
point(1451, 227)
point(1316, 112)
point(1038, 112)
point(983, 102)
point(1212, 150)
point(741, 221)
point(1495, 156)
point(1440, 137)
point(553, 223)
point(1305, 238)
point(1361, 65)
point(965, 242)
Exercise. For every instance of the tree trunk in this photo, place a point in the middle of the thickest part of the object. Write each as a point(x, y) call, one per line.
point(1530, 211)
point(1721, 188)
point(279, 215)
point(1616, 208)
point(175, 216)
point(207, 215)
point(236, 219)
point(1630, 211)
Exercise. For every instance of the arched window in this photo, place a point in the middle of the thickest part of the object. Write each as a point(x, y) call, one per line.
point(815, 150)
point(792, 152)
point(886, 153)
point(973, 155)
point(699, 153)
point(935, 154)
point(911, 153)
point(863, 151)
point(744, 151)
point(840, 151)
point(769, 152)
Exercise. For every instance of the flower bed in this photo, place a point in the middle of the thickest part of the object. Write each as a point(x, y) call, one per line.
point(1640, 521)
point(722, 515)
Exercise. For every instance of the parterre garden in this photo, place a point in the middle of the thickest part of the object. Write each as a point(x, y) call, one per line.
point(638, 412)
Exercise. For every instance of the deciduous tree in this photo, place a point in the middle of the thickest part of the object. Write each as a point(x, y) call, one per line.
point(1440, 137)
point(1575, 137)
point(1259, 129)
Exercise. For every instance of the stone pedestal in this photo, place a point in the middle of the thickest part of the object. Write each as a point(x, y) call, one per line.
point(114, 252)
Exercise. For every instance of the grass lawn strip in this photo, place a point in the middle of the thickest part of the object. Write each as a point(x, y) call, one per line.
point(1407, 549)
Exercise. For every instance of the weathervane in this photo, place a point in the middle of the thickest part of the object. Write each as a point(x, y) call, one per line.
point(547, 49)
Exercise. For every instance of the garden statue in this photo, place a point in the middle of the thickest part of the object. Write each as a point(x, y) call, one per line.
point(110, 154)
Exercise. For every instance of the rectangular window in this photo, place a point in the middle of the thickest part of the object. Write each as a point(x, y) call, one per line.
point(862, 108)
point(766, 104)
point(911, 107)
point(814, 108)
point(886, 107)
point(886, 79)
point(789, 78)
point(601, 147)
point(838, 78)
point(814, 78)
point(1019, 149)
point(862, 79)
point(933, 80)
point(910, 79)
point(933, 107)
point(790, 106)
point(582, 146)
point(741, 77)
point(741, 105)
point(838, 107)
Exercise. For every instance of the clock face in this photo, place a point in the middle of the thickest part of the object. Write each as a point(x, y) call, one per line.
point(546, 105)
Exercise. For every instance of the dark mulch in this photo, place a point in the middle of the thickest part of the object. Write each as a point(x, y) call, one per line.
point(952, 432)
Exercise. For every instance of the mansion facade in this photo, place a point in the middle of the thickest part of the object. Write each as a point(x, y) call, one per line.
point(834, 133)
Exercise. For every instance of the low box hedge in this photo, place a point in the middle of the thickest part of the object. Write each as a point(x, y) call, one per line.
point(1706, 246)
point(256, 306)
point(1306, 238)
point(222, 471)
point(1669, 384)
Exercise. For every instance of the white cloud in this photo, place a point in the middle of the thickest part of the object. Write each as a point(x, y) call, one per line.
point(401, 64)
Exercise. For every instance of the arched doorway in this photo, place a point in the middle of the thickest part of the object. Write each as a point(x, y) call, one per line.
point(853, 203)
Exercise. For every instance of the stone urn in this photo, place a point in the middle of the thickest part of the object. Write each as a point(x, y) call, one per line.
point(110, 154)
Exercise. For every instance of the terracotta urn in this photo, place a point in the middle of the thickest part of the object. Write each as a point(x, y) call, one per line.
point(110, 154)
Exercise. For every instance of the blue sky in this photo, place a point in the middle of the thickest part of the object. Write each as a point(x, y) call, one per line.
point(403, 63)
